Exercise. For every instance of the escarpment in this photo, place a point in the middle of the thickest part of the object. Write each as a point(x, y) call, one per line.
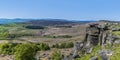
point(96, 35)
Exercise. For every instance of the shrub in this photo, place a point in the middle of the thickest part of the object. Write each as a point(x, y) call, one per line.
point(3, 32)
point(60, 36)
point(69, 45)
point(22, 51)
point(25, 52)
point(42, 46)
point(56, 55)
point(7, 48)
point(64, 36)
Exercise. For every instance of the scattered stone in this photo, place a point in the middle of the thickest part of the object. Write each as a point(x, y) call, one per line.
point(103, 54)
point(89, 50)
point(109, 52)
point(2, 55)
point(116, 41)
point(94, 58)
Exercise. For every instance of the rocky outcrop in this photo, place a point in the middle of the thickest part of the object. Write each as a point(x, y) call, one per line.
point(95, 35)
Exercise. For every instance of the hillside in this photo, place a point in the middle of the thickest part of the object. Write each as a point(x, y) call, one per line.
point(64, 39)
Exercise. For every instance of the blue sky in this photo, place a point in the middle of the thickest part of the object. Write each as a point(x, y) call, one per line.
point(61, 9)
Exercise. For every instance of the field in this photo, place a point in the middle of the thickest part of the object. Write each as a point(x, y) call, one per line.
point(60, 36)
point(50, 34)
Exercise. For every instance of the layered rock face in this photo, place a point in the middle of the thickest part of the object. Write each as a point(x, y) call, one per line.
point(98, 36)
point(95, 35)
point(92, 35)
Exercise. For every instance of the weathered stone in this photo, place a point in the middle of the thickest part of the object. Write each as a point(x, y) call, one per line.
point(115, 29)
point(94, 58)
point(77, 46)
point(89, 50)
point(109, 52)
point(95, 35)
point(116, 41)
point(75, 54)
point(103, 55)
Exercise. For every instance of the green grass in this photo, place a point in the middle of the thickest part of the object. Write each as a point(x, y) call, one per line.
point(116, 33)
point(117, 26)
point(116, 52)
point(3, 32)
point(92, 54)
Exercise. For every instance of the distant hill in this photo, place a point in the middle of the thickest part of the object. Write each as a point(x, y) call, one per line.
point(51, 22)
point(42, 21)
point(7, 21)
point(109, 21)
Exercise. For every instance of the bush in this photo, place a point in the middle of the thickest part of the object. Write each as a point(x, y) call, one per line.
point(7, 48)
point(42, 46)
point(69, 45)
point(60, 36)
point(3, 32)
point(22, 51)
point(64, 36)
point(56, 55)
point(25, 52)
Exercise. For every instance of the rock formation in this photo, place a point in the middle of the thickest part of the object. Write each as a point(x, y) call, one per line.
point(96, 34)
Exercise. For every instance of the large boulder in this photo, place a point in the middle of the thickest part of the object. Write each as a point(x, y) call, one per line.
point(103, 54)
point(94, 58)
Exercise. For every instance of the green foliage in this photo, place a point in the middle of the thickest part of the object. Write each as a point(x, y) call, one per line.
point(116, 33)
point(55, 46)
point(18, 35)
point(56, 55)
point(22, 51)
point(117, 26)
point(7, 48)
point(35, 27)
point(63, 45)
point(64, 36)
point(10, 25)
point(61, 36)
point(94, 53)
point(3, 32)
point(69, 45)
point(116, 51)
point(25, 52)
point(42, 46)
